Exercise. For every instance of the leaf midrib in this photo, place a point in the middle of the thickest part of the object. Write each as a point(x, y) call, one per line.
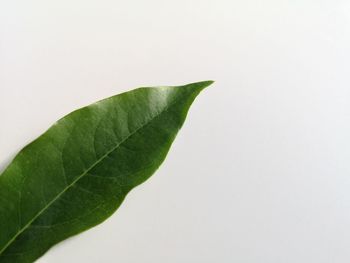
point(81, 176)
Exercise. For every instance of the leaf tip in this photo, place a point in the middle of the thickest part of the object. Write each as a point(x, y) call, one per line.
point(206, 83)
point(200, 85)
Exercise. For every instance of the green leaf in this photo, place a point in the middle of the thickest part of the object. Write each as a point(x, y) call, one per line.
point(77, 174)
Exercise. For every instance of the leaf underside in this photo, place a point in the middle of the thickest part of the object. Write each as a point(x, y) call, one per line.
point(77, 174)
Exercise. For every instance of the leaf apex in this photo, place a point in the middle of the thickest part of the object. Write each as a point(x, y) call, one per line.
point(205, 83)
point(200, 85)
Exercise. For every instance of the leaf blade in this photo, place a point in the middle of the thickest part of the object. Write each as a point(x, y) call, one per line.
point(125, 137)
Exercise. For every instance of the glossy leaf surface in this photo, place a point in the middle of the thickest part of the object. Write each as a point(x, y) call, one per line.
point(77, 174)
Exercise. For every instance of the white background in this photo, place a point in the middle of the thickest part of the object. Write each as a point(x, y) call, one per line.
point(260, 172)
